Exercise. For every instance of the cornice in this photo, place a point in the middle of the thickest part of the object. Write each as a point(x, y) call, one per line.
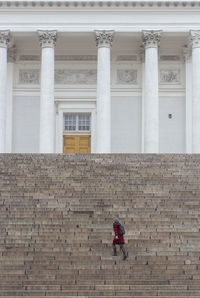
point(103, 3)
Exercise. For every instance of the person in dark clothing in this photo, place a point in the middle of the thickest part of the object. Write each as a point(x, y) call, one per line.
point(118, 239)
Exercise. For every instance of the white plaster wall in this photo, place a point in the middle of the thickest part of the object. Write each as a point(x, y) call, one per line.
point(172, 131)
point(25, 124)
point(126, 125)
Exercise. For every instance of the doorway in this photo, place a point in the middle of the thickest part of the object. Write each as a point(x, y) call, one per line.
point(77, 133)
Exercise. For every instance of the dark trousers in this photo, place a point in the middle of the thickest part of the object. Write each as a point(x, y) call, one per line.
point(121, 248)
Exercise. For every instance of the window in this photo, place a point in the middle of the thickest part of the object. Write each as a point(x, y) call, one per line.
point(83, 122)
point(77, 122)
point(70, 122)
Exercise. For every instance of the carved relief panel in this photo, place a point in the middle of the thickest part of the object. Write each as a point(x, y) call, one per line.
point(127, 76)
point(75, 77)
point(29, 76)
point(171, 75)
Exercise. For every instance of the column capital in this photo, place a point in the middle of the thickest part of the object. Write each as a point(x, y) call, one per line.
point(104, 38)
point(47, 38)
point(4, 38)
point(195, 38)
point(12, 53)
point(151, 38)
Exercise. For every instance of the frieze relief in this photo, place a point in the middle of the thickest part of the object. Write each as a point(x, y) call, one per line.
point(127, 58)
point(29, 58)
point(127, 76)
point(75, 57)
point(60, 58)
point(170, 58)
point(75, 77)
point(29, 76)
point(168, 76)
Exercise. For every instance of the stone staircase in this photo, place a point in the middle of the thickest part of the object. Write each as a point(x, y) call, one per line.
point(56, 215)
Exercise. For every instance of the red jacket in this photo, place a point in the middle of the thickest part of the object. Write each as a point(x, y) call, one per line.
point(120, 238)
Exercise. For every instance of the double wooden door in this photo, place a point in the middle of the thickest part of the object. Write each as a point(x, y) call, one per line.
point(76, 144)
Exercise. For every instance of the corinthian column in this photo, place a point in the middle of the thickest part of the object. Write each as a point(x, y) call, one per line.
point(151, 41)
point(195, 42)
point(47, 109)
point(104, 42)
point(12, 53)
point(4, 40)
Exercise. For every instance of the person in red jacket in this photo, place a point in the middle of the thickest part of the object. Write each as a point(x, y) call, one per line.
point(118, 239)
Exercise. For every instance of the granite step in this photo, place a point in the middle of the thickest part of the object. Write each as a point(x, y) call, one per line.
point(56, 225)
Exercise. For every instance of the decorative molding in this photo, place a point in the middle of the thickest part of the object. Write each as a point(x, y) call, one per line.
point(47, 38)
point(101, 4)
point(29, 76)
point(151, 38)
point(169, 76)
point(195, 38)
point(29, 58)
point(4, 38)
point(75, 77)
point(12, 54)
point(104, 38)
point(169, 58)
point(127, 58)
point(127, 76)
point(76, 58)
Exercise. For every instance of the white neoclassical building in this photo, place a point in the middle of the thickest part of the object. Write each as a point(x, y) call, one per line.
point(100, 76)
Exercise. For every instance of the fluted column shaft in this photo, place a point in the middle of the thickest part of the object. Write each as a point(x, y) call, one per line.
point(4, 40)
point(195, 42)
point(47, 108)
point(104, 43)
point(151, 99)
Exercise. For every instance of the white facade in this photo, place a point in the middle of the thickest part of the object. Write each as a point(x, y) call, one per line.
point(133, 66)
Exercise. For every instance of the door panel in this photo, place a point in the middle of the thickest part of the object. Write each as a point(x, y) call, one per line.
point(69, 144)
point(84, 144)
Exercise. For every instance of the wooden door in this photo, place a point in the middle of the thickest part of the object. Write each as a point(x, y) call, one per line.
point(77, 144)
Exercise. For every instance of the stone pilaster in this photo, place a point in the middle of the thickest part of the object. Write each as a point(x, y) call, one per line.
point(12, 54)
